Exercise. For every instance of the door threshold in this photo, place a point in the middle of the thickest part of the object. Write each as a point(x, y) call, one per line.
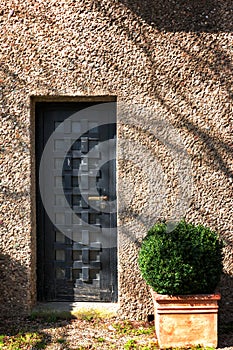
point(77, 309)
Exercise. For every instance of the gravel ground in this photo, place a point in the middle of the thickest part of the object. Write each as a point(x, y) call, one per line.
point(87, 332)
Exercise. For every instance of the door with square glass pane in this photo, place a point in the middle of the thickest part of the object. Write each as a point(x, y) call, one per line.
point(76, 232)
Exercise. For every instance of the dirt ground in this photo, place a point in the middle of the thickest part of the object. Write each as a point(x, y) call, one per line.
point(86, 332)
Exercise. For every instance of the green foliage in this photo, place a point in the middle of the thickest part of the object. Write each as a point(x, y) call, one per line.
point(187, 260)
point(2, 336)
point(23, 340)
point(130, 344)
point(151, 346)
point(123, 327)
point(100, 340)
point(92, 314)
point(128, 328)
point(61, 340)
point(51, 316)
point(197, 347)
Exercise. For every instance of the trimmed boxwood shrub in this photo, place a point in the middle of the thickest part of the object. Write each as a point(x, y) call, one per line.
point(187, 260)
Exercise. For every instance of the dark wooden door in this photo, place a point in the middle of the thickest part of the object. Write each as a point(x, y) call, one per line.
point(77, 240)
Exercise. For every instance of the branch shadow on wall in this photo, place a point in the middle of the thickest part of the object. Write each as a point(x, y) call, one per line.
point(19, 327)
point(226, 322)
point(183, 15)
point(12, 274)
point(209, 61)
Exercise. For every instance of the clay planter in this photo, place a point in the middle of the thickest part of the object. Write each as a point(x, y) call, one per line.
point(186, 320)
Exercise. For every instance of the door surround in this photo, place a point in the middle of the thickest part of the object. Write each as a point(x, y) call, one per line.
point(34, 100)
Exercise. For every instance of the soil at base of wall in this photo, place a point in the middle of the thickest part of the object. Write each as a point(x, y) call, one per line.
point(87, 332)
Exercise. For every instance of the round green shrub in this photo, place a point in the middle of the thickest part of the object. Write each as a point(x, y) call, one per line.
point(187, 260)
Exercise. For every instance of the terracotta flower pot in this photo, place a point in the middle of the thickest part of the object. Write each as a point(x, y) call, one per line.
point(186, 320)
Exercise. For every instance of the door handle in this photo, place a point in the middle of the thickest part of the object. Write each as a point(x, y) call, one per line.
point(97, 198)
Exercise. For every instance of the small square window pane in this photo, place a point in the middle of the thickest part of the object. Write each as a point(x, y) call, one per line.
point(60, 273)
point(58, 163)
point(77, 255)
point(59, 200)
point(60, 125)
point(93, 126)
point(60, 237)
point(77, 274)
point(60, 218)
point(76, 126)
point(59, 145)
point(76, 200)
point(76, 163)
point(60, 255)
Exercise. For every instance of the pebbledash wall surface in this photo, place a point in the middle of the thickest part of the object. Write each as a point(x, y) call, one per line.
point(169, 65)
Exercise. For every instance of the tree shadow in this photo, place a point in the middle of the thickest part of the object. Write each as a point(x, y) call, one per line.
point(181, 15)
point(225, 331)
point(12, 298)
point(225, 288)
point(32, 332)
point(16, 327)
point(225, 339)
point(203, 61)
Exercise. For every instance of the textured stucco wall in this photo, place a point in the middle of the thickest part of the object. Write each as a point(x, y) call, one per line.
point(173, 57)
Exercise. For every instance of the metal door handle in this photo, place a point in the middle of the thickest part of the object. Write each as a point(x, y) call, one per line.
point(97, 198)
